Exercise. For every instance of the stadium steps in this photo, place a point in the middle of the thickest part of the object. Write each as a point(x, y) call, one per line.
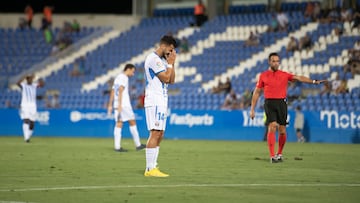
point(276, 47)
point(232, 33)
point(354, 82)
point(102, 79)
point(57, 62)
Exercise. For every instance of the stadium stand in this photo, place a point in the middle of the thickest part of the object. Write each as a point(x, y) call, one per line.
point(217, 51)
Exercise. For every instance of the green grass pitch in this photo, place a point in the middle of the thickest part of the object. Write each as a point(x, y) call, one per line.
point(76, 170)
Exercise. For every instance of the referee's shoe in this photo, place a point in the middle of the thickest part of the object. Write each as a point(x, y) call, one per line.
point(274, 160)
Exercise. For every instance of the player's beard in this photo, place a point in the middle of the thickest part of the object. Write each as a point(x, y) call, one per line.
point(274, 68)
point(164, 54)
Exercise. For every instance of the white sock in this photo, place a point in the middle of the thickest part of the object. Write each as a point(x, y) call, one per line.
point(117, 138)
point(150, 154)
point(156, 155)
point(30, 133)
point(25, 127)
point(135, 134)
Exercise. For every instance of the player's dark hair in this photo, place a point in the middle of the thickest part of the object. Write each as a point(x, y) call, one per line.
point(273, 54)
point(168, 40)
point(129, 66)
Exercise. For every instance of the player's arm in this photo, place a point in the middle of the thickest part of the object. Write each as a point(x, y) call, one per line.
point(254, 99)
point(305, 79)
point(172, 76)
point(171, 60)
point(121, 90)
point(111, 99)
point(165, 76)
point(18, 83)
point(169, 75)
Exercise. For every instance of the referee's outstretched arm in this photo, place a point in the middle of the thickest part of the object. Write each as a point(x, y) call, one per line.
point(308, 80)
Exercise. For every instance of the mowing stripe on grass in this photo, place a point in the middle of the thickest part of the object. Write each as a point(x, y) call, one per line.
point(186, 185)
point(13, 202)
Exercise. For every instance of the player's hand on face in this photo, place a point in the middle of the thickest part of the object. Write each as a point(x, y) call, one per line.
point(171, 57)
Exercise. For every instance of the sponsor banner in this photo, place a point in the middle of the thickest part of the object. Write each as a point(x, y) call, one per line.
point(340, 120)
point(221, 125)
point(323, 126)
point(332, 126)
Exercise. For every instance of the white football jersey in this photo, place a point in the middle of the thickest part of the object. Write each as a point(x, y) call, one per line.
point(121, 80)
point(28, 94)
point(156, 91)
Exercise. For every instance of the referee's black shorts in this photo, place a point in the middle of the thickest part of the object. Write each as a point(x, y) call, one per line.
point(276, 110)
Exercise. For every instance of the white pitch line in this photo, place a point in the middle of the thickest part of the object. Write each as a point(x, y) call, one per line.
point(186, 185)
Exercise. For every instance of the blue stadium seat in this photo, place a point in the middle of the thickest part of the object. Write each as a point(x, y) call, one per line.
point(214, 60)
point(342, 108)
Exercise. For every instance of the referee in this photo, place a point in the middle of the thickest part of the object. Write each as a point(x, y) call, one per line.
point(274, 82)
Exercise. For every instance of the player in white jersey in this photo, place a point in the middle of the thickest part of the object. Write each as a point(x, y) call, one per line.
point(159, 72)
point(120, 100)
point(28, 108)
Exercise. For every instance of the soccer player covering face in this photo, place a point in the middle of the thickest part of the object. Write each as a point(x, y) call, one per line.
point(28, 107)
point(274, 84)
point(123, 112)
point(159, 72)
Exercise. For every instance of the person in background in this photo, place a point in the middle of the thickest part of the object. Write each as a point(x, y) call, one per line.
point(53, 102)
point(109, 83)
point(305, 42)
point(29, 12)
point(246, 98)
point(123, 112)
point(140, 100)
point(283, 21)
point(47, 12)
point(8, 104)
point(79, 67)
point(309, 10)
point(232, 101)
point(184, 45)
point(335, 84)
point(299, 124)
point(75, 26)
point(355, 21)
point(199, 13)
point(326, 89)
point(342, 89)
point(28, 107)
point(253, 40)
point(317, 12)
point(273, 24)
point(292, 45)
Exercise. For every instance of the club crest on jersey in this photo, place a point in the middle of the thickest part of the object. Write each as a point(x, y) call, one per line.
point(157, 124)
point(158, 64)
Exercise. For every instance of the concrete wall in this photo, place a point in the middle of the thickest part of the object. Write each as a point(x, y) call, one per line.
point(120, 22)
